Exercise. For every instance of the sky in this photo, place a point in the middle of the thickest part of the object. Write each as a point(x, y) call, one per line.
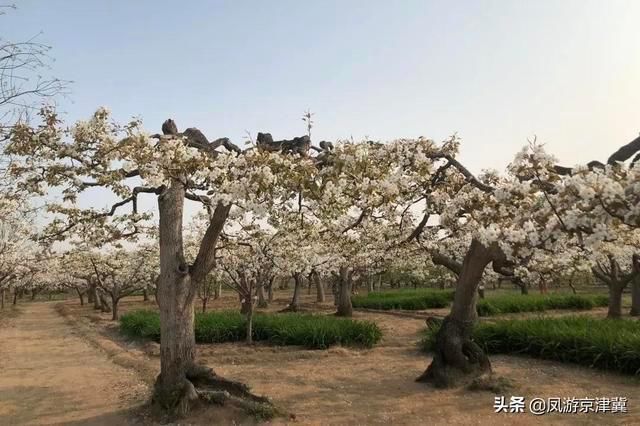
point(497, 73)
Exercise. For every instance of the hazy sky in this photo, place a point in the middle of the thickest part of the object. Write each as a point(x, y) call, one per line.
point(495, 72)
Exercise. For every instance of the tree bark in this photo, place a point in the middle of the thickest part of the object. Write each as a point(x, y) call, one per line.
point(204, 304)
point(456, 356)
point(615, 299)
point(81, 296)
point(217, 291)
point(176, 302)
point(335, 289)
point(15, 297)
point(245, 305)
point(181, 380)
point(294, 306)
point(114, 308)
point(635, 286)
point(319, 287)
point(635, 296)
point(96, 298)
point(104, 305)
point(249, 325)
point(345, 309)
point(270, 290)
point(616, 281)
point(262, 301)
point(91, 294)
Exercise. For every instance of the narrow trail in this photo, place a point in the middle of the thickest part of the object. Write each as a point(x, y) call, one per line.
point(49, 375)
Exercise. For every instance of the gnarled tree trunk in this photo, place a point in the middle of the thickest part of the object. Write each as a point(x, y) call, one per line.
point(96, 298)
point(294, 306)
point(91, 294)
point(114, 307)
point(456, 356)
point(81, 296)
point(262, 300)
point(345, 309)
point(319, 287)
point(182, 381)
point(616, 281)
point(635, 286)
point(104, 305)
point(270, 290)
point(615, 299)
point(172, 389)
point(524, 290)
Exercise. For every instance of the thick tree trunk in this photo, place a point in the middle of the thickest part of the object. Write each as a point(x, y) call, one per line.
point(270, 290)
point(177, 341)
point(114, 308)
point(81, 296)
point(635, 296)
point(249, 325)
point(245, 305)
point(294, 306)
point(524, 290)
point(96, 298)
point(319, 287)
point(345, 309)
point(262, 301)
point(335, 289)
point(173, 390)
point(615, 299)
point(456, 356)
point(91, 294)
point(635, 286)
point(182, 381)
point(104, 305)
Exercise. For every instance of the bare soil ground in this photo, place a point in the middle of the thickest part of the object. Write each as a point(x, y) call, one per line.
point(49, 375)
point(354, 386)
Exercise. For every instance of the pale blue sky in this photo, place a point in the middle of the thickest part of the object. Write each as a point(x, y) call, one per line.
point(496, 72)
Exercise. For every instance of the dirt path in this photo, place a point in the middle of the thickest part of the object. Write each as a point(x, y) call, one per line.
point(49, 375)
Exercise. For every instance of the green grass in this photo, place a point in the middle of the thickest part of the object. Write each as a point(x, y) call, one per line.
point(512, 303)
point(597, 343)
point(310, 331)
point(412, 300)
